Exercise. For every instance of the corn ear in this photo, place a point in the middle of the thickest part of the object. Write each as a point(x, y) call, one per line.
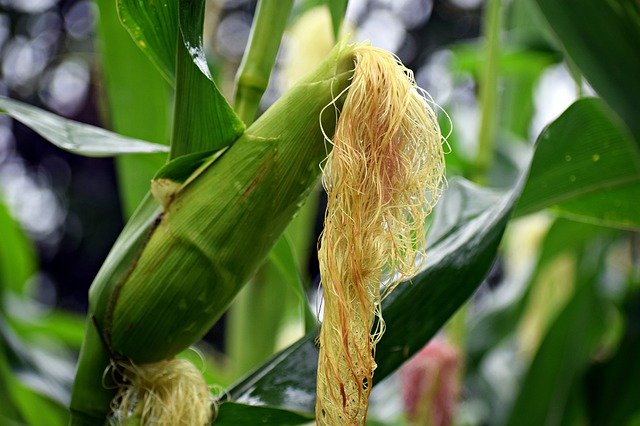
point(175, 272)
point(218, 228)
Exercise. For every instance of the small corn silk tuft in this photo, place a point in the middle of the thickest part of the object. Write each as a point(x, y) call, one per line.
point(383, 177)
point(165, 393)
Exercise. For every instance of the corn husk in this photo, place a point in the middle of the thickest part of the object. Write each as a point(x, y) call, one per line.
point(179, 263)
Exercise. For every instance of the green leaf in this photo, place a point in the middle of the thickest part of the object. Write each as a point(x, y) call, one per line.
point(170, 33)
point(283, 258)
point(338, 8)
point(232, 414)
point(138, 103)
point(563, 354)
point(617, 206)
point(154, 27)
point(17, 255)
point(203, 119)
point(78, 138)
point(514, 60)
point(183, 167)
point(464, 236)
point(603, 40)
point(586, 165)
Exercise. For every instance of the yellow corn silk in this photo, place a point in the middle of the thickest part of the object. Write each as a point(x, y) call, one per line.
point(383, 176)
point(165, 393)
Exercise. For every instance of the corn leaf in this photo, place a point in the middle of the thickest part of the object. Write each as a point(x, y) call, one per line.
point(170, 33)
point(616, 400)
point(17, 255)
point(586, 166)
point(154, 28)
point(39, 392)
point(30, 321)
point(338, 8)
point(232, 414)
point(604, 43)
point(282, 257)
point(78, 138)
point(495, 322)
point(203, 119)
point(183, 167)
point(138, 103)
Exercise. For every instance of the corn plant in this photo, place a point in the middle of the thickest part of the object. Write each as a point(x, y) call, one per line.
point(210, 230)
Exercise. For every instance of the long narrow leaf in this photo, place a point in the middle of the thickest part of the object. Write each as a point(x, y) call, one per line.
point(563, 355)
point(78, 138)
point(17, 255)
point(338, 8)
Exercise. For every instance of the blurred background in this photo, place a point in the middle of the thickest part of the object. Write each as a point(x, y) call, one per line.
point(71, 209)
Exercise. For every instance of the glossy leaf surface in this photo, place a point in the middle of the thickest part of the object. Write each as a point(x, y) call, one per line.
point(78, 138)
point(588, 166)
point(563, 354)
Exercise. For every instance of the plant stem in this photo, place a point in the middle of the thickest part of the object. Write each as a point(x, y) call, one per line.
point(258, 311)
point(258, 60)
point(489, 89)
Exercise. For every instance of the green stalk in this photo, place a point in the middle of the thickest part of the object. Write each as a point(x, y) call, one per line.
point(257, 312)
point(489, 89)
point(91, 394)
point(264, 41)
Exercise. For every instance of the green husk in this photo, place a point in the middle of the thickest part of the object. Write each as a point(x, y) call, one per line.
point(169, 279)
